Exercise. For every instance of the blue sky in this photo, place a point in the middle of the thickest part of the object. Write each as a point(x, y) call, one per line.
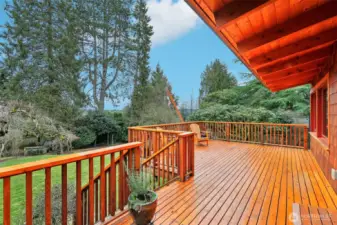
point(182, 44)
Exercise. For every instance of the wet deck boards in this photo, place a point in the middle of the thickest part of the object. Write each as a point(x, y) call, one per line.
point(237, 183)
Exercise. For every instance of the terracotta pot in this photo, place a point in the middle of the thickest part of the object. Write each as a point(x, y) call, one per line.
point(145, 213)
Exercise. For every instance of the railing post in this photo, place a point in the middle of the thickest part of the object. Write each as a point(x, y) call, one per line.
point(182, 158)
point(305, 138)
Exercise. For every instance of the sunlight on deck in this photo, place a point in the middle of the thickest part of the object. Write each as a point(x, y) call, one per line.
point(238, 183)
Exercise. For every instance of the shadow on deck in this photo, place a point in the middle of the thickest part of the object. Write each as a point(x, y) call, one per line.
point(237, 183)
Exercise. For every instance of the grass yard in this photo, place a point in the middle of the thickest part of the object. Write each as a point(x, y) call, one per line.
point(18, 190)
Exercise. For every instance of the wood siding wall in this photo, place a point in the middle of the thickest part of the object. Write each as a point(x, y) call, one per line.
point(322, 155)
point(327, 158)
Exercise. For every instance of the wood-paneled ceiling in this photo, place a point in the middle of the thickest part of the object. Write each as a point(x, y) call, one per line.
point(285, 43)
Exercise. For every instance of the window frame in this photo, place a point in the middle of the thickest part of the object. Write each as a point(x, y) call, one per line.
point(319, 109)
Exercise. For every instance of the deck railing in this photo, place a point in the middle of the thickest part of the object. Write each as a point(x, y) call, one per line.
point(104, 193)
point(165, 152)
point(290, 135)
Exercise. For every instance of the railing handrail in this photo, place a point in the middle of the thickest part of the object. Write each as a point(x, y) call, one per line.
point(61, 160)
point(157, 131)
point(160, 151)
point(189, 122)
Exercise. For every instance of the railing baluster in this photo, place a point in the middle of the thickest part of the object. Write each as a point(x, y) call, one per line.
point(112, 185)
point(158, 171)
point(91, 192)
point(29, 199)
point(78, 193)
point(167, 164)
point(121, 181)
point(7, 201)
point(103, 188)
point(64, 194)
point(48, 196)
point(96, 200)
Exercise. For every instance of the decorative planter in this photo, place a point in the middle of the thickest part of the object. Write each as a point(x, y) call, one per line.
point(143, 213)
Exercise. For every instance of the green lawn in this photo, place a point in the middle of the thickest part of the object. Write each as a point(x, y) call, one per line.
point(18, 182)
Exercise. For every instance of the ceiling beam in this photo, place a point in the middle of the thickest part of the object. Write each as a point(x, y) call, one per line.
point(305, 45)
point(286, 86)
point(304, 20)
point(233, 10)
point(295, 61)
point(320, 63)
point(305, 74)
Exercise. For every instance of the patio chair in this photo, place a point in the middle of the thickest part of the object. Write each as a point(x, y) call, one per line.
point(197, 134)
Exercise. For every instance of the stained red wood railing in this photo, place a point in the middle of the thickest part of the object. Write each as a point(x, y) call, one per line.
point(102, 197)
point(291, 135)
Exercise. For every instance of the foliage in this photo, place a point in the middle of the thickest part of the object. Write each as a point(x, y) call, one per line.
point(86, 137)
point(23, 122)
point(56, 199)
point(106, 48)
point(142, 44)
point(239, 113)
point(253, 102)
point(119, 118)
point(216, 77)
point(39, 48)
point(140, 183)
point(157, 109)
point(224, 97)
point(95, 124)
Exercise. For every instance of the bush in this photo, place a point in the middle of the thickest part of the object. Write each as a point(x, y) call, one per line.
point(238, 113)
point(56, 199)
point(86, 136)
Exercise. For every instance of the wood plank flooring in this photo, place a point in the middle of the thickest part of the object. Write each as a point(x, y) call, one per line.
point(307, 215)
point(237, 183)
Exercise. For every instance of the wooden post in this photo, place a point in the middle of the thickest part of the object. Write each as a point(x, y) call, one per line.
point(129, 135)
point(182, 158)
point(305, 138)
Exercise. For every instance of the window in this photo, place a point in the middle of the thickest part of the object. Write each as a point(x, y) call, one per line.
point(319, 107)
point(325, 112)
point(313, 112)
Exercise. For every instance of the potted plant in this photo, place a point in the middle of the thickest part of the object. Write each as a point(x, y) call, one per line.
point(142, 200)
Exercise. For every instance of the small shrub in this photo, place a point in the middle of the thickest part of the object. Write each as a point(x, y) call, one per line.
point(56, 200)
point(140, 184)
point(86, 137)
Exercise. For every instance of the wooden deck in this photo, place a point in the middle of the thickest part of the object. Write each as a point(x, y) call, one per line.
point(238, 183)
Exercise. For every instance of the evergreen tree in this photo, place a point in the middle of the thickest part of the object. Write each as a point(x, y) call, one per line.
point(143, 32)
point(159, 109)
point(215, 78)
point(106, 48)
point(40, 48)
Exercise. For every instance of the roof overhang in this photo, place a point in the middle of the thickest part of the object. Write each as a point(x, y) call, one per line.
point(284, 43)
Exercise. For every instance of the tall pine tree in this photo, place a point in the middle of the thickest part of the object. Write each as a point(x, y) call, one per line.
point(106, 48)
point(40, 49)
point(143, 32)
point(215, 78)
point(159, 110)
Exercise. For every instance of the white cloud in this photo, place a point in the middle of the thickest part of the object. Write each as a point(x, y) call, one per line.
point(170, 20)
